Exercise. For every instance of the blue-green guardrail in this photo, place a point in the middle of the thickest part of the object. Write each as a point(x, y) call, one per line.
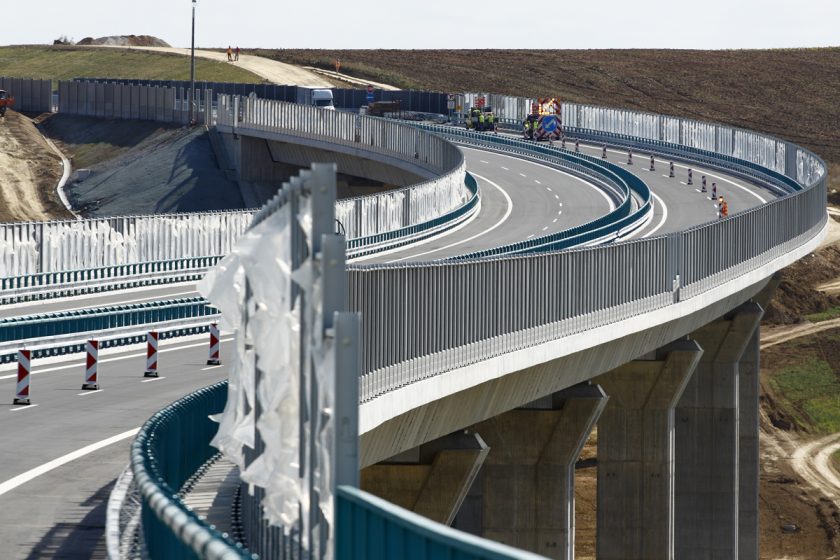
point(174, 443)
point(604, 226)
point(168, 450)
point(30, 328)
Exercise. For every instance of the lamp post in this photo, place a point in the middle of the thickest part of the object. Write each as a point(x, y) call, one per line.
point(192, 68)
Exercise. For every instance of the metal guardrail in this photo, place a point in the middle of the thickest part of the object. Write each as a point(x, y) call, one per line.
point(607, 228)
point(514, 303)
point(167, 451)
point(374, 214)
point(62, 329)
point(369, 528)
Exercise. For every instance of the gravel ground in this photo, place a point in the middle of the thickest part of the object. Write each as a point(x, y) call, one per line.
point(178, 173)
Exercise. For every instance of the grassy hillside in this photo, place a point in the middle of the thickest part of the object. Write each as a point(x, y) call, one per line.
point(793, 93)
point(62, 63)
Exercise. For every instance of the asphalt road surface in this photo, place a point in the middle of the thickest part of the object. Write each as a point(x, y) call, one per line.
point(60, 512)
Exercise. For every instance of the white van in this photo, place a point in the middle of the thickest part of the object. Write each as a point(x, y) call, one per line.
point(323, 98)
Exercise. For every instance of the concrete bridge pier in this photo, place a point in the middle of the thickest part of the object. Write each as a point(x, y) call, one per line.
point(636, 454)
point(431, 480)
point(525, 495)
point(716, 443)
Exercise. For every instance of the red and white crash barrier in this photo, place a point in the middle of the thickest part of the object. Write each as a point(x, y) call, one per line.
point(22, 389)
point(214, 358)
point(91, 366)
point(151, 354)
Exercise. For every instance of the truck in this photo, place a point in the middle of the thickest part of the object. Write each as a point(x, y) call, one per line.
point(323, 98)
point(6, 100)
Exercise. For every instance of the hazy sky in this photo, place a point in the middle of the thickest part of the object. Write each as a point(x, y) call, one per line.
point(579, 24)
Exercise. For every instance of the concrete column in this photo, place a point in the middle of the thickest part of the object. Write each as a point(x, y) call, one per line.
point(748, 449)
point(636, 454)
point(431, 480)
point(708, 440)
point(527, 491)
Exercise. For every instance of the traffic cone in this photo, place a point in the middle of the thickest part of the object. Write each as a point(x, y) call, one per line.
point(151, 354)
point(92, 365)
point(22, 388)
point(214, 359)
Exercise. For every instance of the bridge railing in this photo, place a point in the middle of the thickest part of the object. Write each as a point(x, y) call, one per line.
point(32, 248)
point(374, 214)
point(513, 303)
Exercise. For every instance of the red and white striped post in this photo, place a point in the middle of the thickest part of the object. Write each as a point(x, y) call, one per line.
point(671, 170)
point(214, 358)
point(92, 366)
point(652, 163)
point(22, 389)
point(629, 157)
point(151, 354)
point(604, 152)
point(690, 177)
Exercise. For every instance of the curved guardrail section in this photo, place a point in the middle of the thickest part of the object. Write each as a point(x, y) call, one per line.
point(373, 529)
point(365, 136)
point(167, 451)
point(610, 227)
point(509, 308)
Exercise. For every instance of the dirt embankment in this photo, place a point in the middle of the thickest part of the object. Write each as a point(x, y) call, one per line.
point(29, 173)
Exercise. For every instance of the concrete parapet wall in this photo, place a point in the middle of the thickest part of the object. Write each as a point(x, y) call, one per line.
point(30, 94)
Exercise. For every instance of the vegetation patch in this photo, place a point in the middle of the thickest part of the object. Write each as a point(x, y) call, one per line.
point(826, 315)
point(67, 62)
point(810, 391)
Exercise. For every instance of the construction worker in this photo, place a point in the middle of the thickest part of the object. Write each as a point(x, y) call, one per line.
point(481, 120)
point(491, 124)
point(533, 129)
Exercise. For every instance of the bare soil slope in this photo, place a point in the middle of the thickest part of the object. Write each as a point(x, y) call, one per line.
point(29, 173)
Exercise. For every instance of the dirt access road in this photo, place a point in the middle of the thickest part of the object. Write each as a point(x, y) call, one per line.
point(29, 173)
point(271, 70)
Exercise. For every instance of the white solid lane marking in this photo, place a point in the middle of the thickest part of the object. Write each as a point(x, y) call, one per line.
point(545, 228)
point(530, 236)
point(153, 379)
point(26, 407)
point(211, 367)
point(31, 474)
point(114, 359)
point(664, 215)
point(485, 232)
point(483, 161)
point(89, 392)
